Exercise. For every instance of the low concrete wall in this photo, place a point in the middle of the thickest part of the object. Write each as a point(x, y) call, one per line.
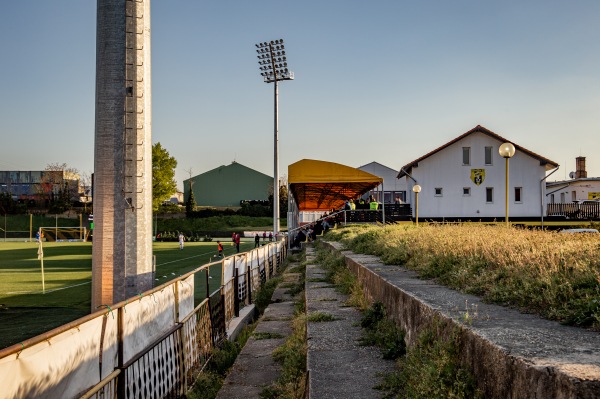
point(511, 355)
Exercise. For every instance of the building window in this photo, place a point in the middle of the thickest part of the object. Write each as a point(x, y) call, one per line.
point(466, 191)
point(466, 152)
point(489, 194)
point(438, 191)
point(562, 198)
point(552, 198)
point(488, 155)
point(573, 196)
point(518, 194)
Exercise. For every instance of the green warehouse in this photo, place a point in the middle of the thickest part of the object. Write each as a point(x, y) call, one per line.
point(226, 186)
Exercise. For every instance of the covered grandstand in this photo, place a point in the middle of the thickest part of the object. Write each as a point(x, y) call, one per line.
point(317, 187)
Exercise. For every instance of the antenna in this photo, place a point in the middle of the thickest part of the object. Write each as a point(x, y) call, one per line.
point(189, 171)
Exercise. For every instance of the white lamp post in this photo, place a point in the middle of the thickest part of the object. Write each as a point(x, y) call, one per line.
point(273, 66)
point(416, 189)
point(506, 151)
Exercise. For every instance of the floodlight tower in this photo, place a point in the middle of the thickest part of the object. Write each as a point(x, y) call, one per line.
point(273, 67)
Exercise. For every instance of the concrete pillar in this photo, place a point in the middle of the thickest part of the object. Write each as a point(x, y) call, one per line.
point(122, 242)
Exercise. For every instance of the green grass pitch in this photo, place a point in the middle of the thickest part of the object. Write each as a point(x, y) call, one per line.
point(26, 311)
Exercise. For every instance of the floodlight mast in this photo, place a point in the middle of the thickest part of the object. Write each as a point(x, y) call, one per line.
point(273, 66)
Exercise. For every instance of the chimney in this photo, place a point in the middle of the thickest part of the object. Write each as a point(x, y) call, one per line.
point(580, 168)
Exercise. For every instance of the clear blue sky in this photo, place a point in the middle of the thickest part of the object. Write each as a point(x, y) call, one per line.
point(383, 81)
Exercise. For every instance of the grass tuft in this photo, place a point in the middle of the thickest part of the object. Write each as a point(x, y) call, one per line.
point(431, 369)
point(381, 332)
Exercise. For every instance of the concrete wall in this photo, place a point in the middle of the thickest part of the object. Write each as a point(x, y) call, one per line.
point(511, 355)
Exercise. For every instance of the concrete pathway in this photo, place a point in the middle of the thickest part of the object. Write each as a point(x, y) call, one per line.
point(255, 367)
point(338, 367)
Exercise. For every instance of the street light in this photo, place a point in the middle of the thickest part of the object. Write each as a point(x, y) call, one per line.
point(416, 189)
point(273, 67)
point(506, 151)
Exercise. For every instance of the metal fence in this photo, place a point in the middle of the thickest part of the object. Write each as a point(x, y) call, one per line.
point(392, 212)
point(582, 211)
point(151, 346)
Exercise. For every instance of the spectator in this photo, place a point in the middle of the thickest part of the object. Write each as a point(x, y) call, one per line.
point(237, 242)
point(300, 237)
point(270, 236)
point(373, 205)
point(181, 240)
point(256, 241)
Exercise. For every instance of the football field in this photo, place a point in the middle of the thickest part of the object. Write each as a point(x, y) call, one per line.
point(29, 307)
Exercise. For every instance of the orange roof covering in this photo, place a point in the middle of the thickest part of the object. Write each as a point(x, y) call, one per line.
point(320, 185)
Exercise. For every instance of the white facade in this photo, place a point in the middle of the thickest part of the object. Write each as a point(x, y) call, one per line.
point(568, 191)
point(392, 187)
point(451, 189)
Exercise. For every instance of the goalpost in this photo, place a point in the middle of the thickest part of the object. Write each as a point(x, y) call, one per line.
point(63, 234)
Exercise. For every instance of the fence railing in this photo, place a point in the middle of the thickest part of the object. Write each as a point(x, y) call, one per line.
point(151, 346)
point(393, 213)
point(586, 211)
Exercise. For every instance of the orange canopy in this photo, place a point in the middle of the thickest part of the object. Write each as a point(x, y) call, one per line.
point(320, 185)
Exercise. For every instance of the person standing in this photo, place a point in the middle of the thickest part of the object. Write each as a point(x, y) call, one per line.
point(237, 242)
point(181, 240)
point(220, 249)
point(270, 236)
point(256, 241)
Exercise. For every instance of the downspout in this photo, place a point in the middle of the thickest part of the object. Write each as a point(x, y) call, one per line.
point(542, 194)
point(411, 191)
point(382, 203)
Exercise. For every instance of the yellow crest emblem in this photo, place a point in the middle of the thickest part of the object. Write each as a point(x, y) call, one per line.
point(478, 176)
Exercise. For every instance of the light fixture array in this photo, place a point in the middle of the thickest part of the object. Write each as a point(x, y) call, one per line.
point(272, 61)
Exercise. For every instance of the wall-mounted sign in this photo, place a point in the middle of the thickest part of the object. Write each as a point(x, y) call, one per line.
point(593, 195)
point(478, 176)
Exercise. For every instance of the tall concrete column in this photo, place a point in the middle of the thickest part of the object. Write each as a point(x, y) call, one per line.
point(122, 242)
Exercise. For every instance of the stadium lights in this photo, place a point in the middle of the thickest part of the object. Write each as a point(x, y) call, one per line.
point(273, 66)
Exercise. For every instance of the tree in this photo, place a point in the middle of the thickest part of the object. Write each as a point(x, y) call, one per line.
point(163, 175)
point(283, 201)
point(283, 198)
point(190, 203)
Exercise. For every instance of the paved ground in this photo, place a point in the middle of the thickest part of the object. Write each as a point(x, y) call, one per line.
point(338, 367)
point(255, 367)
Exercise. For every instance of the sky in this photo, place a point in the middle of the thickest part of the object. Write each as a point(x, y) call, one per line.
point(385, 81)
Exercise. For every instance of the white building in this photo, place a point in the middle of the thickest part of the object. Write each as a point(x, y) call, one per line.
point(391, 187)
point(578, 188)
point(465, 179)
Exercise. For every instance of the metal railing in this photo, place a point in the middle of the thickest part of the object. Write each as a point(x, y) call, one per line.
point(165, 366)
point(584, 211)
point(393, 213)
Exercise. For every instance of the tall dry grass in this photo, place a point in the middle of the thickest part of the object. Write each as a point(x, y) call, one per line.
point(555, 275)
